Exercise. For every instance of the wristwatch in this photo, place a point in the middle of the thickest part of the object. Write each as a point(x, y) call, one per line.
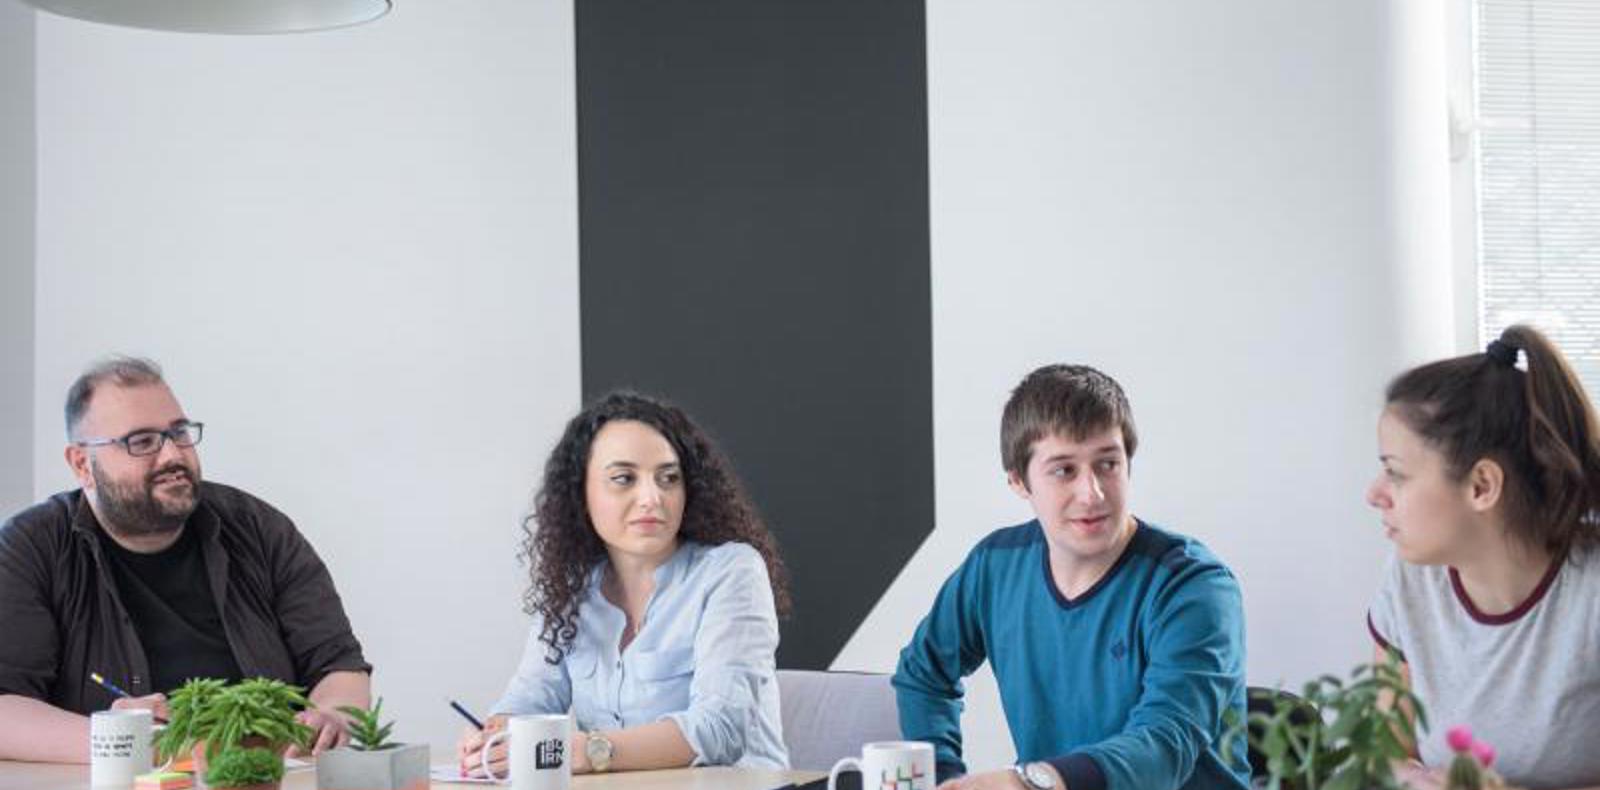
point(598, 750)
point(1036, 776)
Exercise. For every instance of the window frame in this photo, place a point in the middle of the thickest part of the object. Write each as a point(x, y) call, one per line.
point(1461, 70)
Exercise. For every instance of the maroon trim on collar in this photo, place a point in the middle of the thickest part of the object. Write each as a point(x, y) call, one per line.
point(1515, 614)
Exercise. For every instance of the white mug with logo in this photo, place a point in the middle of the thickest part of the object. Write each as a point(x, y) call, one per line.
point(891, 765)
point(540, 750)
point(119, 746)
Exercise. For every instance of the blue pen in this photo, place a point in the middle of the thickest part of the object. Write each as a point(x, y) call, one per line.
point(112, 687)
point(107, 685)
point(465, 715)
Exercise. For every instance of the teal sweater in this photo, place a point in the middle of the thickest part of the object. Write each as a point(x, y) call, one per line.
point(1123, 687)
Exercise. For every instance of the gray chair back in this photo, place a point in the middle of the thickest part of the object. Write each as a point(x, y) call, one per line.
point(828, 715)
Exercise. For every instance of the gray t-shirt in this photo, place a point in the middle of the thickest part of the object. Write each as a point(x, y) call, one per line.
point(1527, 682)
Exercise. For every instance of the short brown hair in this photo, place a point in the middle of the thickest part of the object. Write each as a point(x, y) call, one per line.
point(1062, 400)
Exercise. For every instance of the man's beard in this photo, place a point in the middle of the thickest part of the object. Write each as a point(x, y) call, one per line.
point(133, 508)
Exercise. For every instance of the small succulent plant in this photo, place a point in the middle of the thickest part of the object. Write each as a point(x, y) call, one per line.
point(1470, 770)
point(235, 767)
point(224, 716)
point(368, 733)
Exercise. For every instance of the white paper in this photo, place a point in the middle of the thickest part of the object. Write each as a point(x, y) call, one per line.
point(450, 773)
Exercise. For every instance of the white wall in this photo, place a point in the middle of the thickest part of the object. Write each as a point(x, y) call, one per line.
point(16, 256)
point(355, 253)
point(1200, 199)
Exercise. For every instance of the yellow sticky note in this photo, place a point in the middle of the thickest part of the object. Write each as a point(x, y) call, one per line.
point(163, 780)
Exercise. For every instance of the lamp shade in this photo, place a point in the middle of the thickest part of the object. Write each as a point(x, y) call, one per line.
point(221, 16)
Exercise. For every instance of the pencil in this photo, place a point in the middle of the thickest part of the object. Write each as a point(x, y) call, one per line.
point(465, 715)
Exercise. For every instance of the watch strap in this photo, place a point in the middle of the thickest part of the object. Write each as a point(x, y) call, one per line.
point(1027, 778)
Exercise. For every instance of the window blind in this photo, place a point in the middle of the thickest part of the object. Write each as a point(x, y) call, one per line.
point(1537, 65)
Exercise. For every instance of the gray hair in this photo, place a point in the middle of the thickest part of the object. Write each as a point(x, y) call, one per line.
point(120, 370)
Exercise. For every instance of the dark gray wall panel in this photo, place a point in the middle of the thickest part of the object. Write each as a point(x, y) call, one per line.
point(753, 218)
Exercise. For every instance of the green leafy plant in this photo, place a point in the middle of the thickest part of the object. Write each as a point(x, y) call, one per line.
point(236, 767)
point(257, 710)
point(366, 732)
point(183, 715)
point(1354, 732)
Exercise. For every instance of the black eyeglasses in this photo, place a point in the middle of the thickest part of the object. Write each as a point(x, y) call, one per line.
point(149, 442)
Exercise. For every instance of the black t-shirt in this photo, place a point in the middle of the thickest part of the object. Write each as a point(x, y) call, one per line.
point(168, 595)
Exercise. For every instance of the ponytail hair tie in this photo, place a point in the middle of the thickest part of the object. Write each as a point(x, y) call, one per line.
point(1502, 352)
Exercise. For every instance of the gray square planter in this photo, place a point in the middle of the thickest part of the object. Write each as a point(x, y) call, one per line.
point(401, 768)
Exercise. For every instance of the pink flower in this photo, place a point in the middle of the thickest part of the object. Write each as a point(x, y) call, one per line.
point(1484, 752)
point(1459, 738)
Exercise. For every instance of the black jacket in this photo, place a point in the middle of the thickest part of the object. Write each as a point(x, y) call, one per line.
point(61, 619)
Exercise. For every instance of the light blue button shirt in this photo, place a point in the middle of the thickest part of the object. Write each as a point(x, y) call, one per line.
point(703, 659)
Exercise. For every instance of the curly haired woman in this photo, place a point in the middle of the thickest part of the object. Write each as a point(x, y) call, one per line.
point(655, 595)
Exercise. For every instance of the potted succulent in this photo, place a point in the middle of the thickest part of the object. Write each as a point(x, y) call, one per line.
point(371, 761)
point(1351, 738)
point(244, 768)
point(1470, 770)
point(226, 725)
point(183, 728)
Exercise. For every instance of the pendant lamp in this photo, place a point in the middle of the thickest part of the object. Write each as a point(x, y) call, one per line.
point(221, 16)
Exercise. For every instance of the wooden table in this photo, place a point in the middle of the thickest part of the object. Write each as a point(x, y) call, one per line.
point(40, 776)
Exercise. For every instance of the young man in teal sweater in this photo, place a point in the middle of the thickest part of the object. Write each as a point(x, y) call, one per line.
point(1118, 646)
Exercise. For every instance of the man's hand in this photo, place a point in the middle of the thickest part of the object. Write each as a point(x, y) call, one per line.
point(155, 703)
point(328, 731)
point(1005, 779)
point(336, 690)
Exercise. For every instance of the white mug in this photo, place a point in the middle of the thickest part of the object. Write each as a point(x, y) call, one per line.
point(119, 746)
point(540, 750)
point(891, 765)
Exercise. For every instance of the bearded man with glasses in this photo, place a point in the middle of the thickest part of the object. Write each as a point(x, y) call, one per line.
point(148, 576)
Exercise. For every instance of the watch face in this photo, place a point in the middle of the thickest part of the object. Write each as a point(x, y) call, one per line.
point(1039, 776)
point(598, 750)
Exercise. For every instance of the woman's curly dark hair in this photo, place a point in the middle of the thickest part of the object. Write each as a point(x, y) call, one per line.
point(561, 547)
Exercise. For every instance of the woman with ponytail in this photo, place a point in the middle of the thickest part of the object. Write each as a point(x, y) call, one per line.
point(1490, 490)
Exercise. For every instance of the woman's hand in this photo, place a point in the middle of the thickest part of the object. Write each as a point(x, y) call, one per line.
point(1415, 775)
point(580, 753)
point(471, 743)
